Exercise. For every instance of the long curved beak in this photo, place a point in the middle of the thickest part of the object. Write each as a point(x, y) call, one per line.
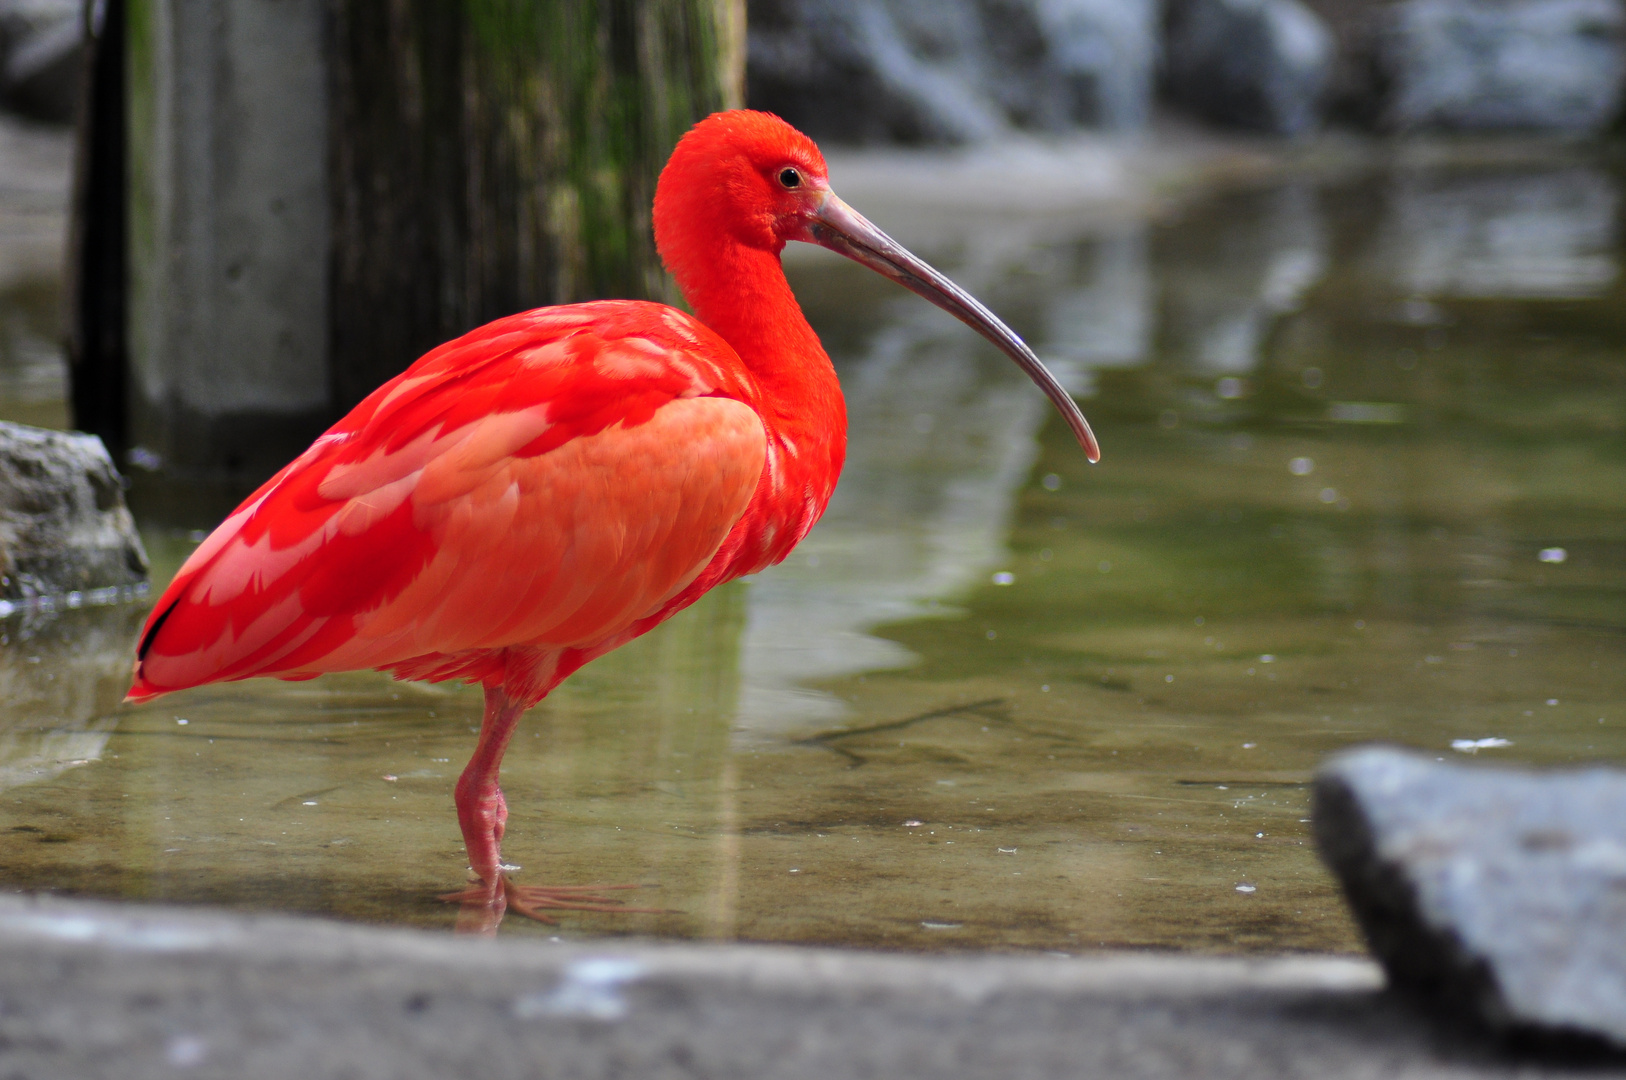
point(842, 229)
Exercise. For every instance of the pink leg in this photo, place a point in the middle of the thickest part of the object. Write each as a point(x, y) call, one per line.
point(481, 809)
point(483, 814)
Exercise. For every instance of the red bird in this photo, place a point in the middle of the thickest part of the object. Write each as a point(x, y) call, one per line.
point(553, 484)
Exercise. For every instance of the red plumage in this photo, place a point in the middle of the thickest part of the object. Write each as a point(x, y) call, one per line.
point(323, 568)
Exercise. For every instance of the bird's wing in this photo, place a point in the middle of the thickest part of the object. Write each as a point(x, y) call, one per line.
point(545, 480)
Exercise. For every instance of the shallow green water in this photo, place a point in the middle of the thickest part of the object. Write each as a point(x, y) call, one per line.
point(999, 698)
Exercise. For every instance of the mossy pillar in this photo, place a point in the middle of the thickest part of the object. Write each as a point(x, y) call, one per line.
point(490, 156)
point(321, 190)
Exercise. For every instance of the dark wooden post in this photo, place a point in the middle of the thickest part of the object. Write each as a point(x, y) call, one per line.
point(495, 155)
point(97, 245)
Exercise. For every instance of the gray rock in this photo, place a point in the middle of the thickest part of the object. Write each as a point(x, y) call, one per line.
point(1256, 64)
point(1497, 892)
point(1554, 65)
point(64, 528)
point(951, 70)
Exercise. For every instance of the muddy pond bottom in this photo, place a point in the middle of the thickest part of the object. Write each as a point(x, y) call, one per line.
point(1364, 478)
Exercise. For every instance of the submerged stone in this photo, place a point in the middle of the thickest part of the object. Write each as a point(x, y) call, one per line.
point(62, 674)
point(1496, 892)
point(64, 528)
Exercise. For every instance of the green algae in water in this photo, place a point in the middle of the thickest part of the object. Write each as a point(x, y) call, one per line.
point(1364, 479)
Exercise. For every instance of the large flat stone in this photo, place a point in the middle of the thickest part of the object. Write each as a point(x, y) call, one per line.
point(93, 990)
point(1497, 892)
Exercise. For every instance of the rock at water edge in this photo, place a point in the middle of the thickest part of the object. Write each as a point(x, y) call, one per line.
point(64, 527)
point(1496, 892)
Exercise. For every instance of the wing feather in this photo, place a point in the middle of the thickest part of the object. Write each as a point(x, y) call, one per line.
point(544, 481)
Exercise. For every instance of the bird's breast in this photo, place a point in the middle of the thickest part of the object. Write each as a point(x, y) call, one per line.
point(798, 478)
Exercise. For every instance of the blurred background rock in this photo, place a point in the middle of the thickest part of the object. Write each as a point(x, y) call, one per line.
point(972, 70)
point(924, 71)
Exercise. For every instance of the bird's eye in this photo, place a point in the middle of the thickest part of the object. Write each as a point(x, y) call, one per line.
point(790, 178)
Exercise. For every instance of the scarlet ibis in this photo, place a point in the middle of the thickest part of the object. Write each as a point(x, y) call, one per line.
point(553, 484)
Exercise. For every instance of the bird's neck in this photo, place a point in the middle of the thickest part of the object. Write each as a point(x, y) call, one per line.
point(745, 298)
point(748, 302)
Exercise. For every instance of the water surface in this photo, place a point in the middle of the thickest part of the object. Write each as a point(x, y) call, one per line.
point(1364, 478)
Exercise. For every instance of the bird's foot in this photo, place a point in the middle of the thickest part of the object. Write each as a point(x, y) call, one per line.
point(484, 904)
point(533, 901)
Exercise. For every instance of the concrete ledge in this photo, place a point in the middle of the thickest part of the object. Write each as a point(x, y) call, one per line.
point(98, 990)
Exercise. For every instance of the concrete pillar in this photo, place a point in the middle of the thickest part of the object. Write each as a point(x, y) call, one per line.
point(228, 288)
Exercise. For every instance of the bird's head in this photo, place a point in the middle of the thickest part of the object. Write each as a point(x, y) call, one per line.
point(749, 179)
point(743, 174)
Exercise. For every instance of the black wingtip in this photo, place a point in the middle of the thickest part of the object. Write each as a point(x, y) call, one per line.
point(152, 631)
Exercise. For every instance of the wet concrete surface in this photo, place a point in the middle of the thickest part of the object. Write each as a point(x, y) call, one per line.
point(96, 990)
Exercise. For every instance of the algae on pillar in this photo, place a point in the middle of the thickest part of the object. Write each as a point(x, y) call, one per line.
point(496, 155)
